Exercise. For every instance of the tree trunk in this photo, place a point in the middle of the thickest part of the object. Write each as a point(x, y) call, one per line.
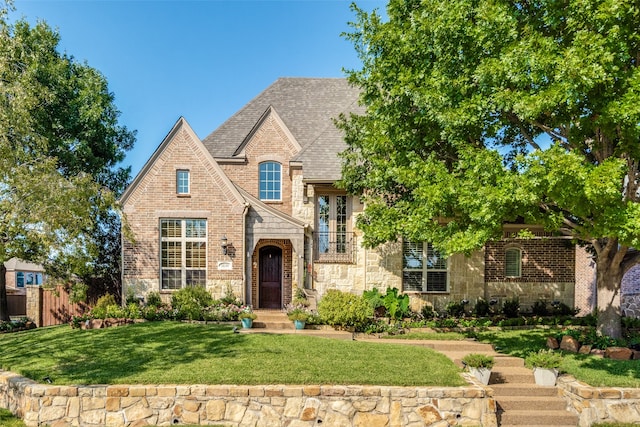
point(608, 284)
point(4, 305)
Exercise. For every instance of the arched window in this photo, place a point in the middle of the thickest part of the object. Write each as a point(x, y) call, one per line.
point(270, 181)
point(513, 262)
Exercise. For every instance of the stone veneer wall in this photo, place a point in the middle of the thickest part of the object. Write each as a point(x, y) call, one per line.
point(294, 406)
point(630, 305)
point(600, 404)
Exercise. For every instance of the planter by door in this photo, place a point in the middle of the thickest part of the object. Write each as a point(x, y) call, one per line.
point(247, 322)
point(482, 374)
point(299, 324)
point(545, 376)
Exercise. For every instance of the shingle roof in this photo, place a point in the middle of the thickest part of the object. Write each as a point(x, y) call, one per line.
point(307, 106)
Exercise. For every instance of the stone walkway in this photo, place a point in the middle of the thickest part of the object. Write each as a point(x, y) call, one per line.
point(519, 401)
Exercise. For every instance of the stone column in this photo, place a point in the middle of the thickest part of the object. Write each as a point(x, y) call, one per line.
point(34, 304)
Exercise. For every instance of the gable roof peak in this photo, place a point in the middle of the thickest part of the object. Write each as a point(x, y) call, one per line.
point(305, 105)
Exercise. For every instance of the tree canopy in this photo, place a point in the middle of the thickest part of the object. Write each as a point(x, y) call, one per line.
point(60, 145)
point(481, 113)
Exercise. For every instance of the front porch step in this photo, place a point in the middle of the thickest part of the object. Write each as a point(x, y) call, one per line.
point(272, 319)
point(533, 403)
point(511, 375)
point(542, 418)
point(526, 390)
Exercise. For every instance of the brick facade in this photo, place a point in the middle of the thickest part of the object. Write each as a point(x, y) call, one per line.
point(211, 198)
point(270, 142)
point(543, 260)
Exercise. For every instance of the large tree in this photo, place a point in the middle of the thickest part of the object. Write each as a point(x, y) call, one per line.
point(60, 145)
point(479, 113)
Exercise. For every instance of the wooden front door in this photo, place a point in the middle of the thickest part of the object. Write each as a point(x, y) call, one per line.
point(270, 286)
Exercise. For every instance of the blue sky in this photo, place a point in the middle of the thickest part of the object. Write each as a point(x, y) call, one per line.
point(202, 60)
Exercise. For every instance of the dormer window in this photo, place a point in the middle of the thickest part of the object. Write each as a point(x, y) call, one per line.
point(270, 181)
point(182, 181)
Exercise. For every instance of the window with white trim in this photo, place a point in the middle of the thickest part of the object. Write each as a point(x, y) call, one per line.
point(424, 269)
point(182, 181)
point(183, 253)
point(513, 262)
point(270, 181)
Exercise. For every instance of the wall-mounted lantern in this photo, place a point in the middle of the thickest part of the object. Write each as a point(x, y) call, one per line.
point(223, 245)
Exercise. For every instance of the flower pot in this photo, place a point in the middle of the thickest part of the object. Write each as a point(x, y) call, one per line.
point(545, 376)
point(247, 322)
point(481, 374)
point(299, 324)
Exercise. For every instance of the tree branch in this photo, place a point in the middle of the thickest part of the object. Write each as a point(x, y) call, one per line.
point(515, 120)
point(550, 131)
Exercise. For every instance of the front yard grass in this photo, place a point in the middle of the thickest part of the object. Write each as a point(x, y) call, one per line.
point(183, 353)
point(593, 370)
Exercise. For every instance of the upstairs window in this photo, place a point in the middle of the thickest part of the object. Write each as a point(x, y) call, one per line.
point(182, 181)
point(424, 269)
point(270, 181)
point(513, 262)
point(28, 278)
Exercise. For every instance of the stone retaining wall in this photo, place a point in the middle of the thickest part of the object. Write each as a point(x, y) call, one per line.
point(600, 404)
point(271, 405)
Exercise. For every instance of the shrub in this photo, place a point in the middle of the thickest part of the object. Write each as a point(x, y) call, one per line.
point(545, 358)
point(562, 309)
point(343, 310)
point(478, 360)
point(190, 302)
point(153, 299)
point(539, 308)
point(482, 308)
point(104, 301)
point(247, 313)
point(511, 307)
point(229, 298)
point(428, 312)
point(106, 307)
point(455, 309)
point(298, 314)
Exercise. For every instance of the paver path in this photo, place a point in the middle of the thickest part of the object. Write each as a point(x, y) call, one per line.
point(520, 402)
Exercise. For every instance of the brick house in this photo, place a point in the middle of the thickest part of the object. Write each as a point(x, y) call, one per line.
point(252, 208)
point(21, 274)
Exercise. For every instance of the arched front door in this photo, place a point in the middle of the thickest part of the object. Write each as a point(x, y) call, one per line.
point(270, 286)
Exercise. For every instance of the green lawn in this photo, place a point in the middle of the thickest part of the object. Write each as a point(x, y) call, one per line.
point(182, 353)
point(8, 420)
point(592, 370)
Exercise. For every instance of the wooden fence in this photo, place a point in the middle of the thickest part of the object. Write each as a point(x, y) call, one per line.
point(17, 305)
point(48, 307)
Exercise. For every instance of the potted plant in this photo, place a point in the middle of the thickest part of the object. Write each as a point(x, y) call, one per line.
point(247, 316)
point(479, 365)
point(545, 364)
point(299, 316)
